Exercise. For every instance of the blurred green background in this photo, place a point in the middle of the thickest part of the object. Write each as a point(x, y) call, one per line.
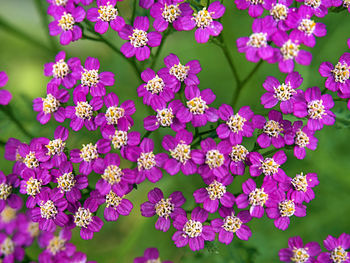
point(127, 238)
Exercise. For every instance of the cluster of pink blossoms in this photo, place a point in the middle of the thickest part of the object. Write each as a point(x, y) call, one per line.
point(55, 179)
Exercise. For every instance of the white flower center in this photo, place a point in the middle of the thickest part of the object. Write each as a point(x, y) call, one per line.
point(279, 12)
point(313, 3)
point(119, 139)
point(112, 174)
point(33, 186)
point(339, 255)
point(55, 147)
point(214, 159)
point(146, 161)
point(179, 71)
point(316, 109)
point(83, 110)
point(113, 114)
point(138, 38)
point(197, 105)
point(301, 139)
point(232, 223)
point(66, 182)
point(61, 2)
point(31, 161)
point(50, 104)
point(287, 208)
point(155, 85)
point(66, 22)
point(113, 200)
point(89, 152)
point(5, 191)
point(236, 123)
point(182, 152)
point(7, 247)
point(165, 117)
point(269, 166)
point(258, 40)
point(238, 153)
point(256, 2)
point(48, 209)
point(289, 50)
point(56, 245)
point(8, 214)
point(203, 18)
point(164, 207)
point(90, 77)
point(299, 182)
point(60, 69)
point(216, 190)
point(258, 197)
point(346, 3)
point(193, 228)
point(341, 72)
point(154, 260)
point(307, 26)
point(284, 92)
point(107, 12)
point(33, 229)
point(171, 12)
point(272, 128)
point(300, 255)
point(82, 217)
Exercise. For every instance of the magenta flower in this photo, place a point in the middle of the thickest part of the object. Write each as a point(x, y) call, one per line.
point(85, 219)
point(32, 183)
point(305, 29)
point(193, 231)
point(5, 95)
point(256, 46)
point(289, 51)
point(11, 150)
point(51, 104)
point(197, 109)
point(273, 130)
point(238, 159)
point(150, 254)
point(112, 176)
point(139, 39)
point(281, 209)
point(183, 73)
point(256, 197)
point(83, 113)
point(50, 212)
point(205, 23)
point(88, 155)
point(297, 252)
point(167, 12)
point(106, 14)
point(319, 7)
point(27, 229)
point(301, 137)
point(65, 73)
point(338, 76)
point(237, 125)
point(300, 187)
point(158, 87)
point(180, 151)
point(165, 117)
point(148, 163)
point(117, 116)
point(337, 249)
point(316, 107)
point(256, 8)
point(8, 197)
point(65, 23)
point(69, 183)
point(12, 249)
point(54, 4)
point(281, 92)
point(213, 159)
point(215, 193)
point(8, 220)
point(280, 12)
point(165, 209)
point(268, 166)
point(91, 79)
point(231, 224)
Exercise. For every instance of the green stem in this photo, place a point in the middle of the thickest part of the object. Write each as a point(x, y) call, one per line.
point(134, 11)
point(2, 143)
point(340, 99)
point(346, 122)
point(8, 111)
point(159, 49)
point(146, 135)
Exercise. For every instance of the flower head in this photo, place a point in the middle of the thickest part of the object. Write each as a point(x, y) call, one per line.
point(5, 95)
point(298, 252)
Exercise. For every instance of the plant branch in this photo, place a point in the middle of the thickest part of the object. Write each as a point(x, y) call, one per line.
point(8, 111)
